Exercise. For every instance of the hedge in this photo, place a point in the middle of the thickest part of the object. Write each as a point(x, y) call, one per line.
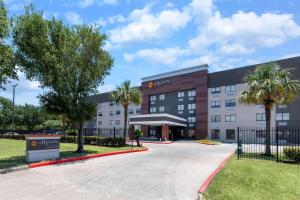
point(91, 140)
point(292, 153)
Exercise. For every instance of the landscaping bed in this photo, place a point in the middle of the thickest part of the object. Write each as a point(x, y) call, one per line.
point(208, 142)
point(255, 179)
point(12, 152)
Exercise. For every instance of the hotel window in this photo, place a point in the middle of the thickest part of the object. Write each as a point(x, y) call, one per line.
point(191, 93)
point(191, 119)
point(282, 116)
point(260, 117)
point(130, 111)
point(230, 134)
point(230, 118)
point(99, 123)
point(118, 112)
point(282, 106)
point(111, 103)
point(153, 98)
point(161, 97)
point(180, 107)
point(161, 109)
point(216, 90)
point(100, 114)
point(216, 118)
point(215, 134)
point(180, 94)
point(152, 109)
point(138, 111)
point(111, 122)
point(191, 106)
point(215, 104)
point(230, 103)
point(117, 122)
point(230, 88)
point(111, 113)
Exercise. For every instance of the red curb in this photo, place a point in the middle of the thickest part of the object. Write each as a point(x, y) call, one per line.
point(206, 183)
point(74, 159)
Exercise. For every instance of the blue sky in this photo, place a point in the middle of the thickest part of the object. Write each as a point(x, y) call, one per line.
point(149, 37)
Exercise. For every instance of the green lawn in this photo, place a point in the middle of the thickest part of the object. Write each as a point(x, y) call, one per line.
point(255, 180)
point(12, 152)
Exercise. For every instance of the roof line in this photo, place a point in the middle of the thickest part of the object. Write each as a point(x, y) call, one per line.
point(176, 72)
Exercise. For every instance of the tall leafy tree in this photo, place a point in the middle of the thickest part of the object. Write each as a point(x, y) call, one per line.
point(7, 65)
point(270, 85)
point(69, 62)
point(30, 116)
point(125, 95)
point(5, 112)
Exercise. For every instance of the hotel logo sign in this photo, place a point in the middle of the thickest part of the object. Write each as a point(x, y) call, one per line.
point(153, 84)
point(42, 144)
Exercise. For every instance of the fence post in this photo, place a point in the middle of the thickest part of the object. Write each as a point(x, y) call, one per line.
point(238, 142)
point(114, 133)
point(277, 144)
point(84, 135)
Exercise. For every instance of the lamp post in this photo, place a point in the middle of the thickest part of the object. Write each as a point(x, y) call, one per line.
point(13, 108)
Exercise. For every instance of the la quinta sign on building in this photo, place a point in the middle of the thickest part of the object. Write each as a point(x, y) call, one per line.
point(153, 84)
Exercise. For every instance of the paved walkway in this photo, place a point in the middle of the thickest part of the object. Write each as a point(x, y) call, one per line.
point(165, 172)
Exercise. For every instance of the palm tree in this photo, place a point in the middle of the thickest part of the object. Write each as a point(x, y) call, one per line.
point(269, 85)
point(125, 95)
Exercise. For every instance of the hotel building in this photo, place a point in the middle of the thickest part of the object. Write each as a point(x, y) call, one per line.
point(193, 103)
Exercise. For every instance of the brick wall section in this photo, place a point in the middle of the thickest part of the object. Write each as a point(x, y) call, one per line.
point(195, 80)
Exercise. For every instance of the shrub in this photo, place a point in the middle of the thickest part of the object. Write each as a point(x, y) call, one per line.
point(138, 133)
point(71, 132)
point(11, 136)
point(292, 153)
point(91, 140)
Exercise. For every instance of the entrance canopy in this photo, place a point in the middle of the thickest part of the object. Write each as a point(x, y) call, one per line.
point(157, 120)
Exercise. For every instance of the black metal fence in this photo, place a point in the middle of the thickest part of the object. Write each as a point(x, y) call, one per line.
point(105, 132)
point(284, 144)
point(101, 132)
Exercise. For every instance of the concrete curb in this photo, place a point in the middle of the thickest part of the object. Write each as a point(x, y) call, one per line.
point(209, 179)
point(148, 142)
point(74, 159)
point(14, 169)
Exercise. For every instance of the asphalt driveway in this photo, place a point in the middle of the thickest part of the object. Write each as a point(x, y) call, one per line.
point(169, 171)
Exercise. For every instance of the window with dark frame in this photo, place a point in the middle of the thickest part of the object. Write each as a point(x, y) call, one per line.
point(216, 118)
point(216, 90)
point(230, 134)
point(215, 104)
point(230, 103)
point(215, 134)
point(260, 117)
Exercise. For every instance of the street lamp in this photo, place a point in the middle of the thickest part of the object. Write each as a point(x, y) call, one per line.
point(13, 108)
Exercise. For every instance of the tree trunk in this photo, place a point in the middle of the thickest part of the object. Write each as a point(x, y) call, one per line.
point(125, 120)
point(79, 140)
point(138, 141)
point(268, 129)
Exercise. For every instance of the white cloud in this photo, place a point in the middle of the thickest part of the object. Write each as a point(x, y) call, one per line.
point(109, 2)
point(116, 19)
point(144, 25)
point(86, 3)
point(208, 59)
point(244, 32)
point(165, 56)
point(73, 18)
point(100, 22)
point(110, 20)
